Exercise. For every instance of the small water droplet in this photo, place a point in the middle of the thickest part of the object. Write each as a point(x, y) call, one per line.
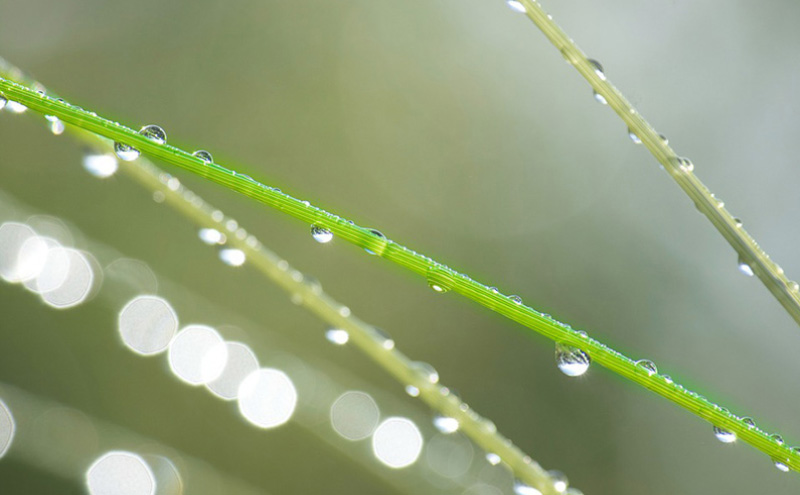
point(559, 480)
point(211, 236)
point(516, 299)
point(384, 338)
point(664, 139)
point(14, 107)
point(648, 366)
point(125, 152)
point(488, 425)
point(777, 438)
point(412, 390)
point(737, 222)
point(439, 279)
point(685, 164)
point(793, 286)
point(321, 234)
point(749, 422)
point(203, 155)
point(600, 98)
point(634, 137)
point(55, 124)
point(667, 379)
point(516, 6)
point(100, 165)
point(232, 257)
point(724, 435)
point(154, 133)
point(493, 458)
point(598, 68)
point(521, 488)
point(571, 360)
point(377, 233)
point(426, 371)
point(3, 102)
point(337, 336)
point(445, 424)
point(745, 268)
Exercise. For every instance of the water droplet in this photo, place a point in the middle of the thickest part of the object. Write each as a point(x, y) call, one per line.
point(3, 102)
point(634, 137)
point(100, 165)
point(737, 222)
point(516, 299)
point(494, 290)
point(749, 422)
point(521, 488)
point(744, 267)
point(384, 338)
point(412, 390)
point(598, 68)
point(664, 139)
point(516, 6)
point(648, 366)
point(781, 465)
point(724, 436)
point(321, 234)
point(439, 279)
point(337, 336)
point(600, 98)
point(445, 424)
point(203, 155)
point(125, 152)
point(154, 133)
point(211, 236)
point(55, 124)
point(426, 370)
point(777, 438)
point(488, 425)
point(14, 107)
point(559, 480)
point(493, 458)
point(667, 379)
point(685, 164)
point(232, 257)
point(793, 286)
point(377, 233)
point(571, 360)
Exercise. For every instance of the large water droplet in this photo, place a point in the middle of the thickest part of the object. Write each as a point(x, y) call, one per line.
point(13, 106)
point(427, 371)
point(685, 164)
point(648, 366)
point(521, 488)
point(321, 234)
point(337, 336)
point(154, 133)
point(516, 299)
point(203, 155)
point(445, 424)
point(749, 422)
point(777, 438)
point(745, 268)
point(386, 341)
point(781, 465)
point(598, 68)
point(55, 124)
point(600, 98)
point(724, 435)
point(412, 390)
point(516, 6)
point(571, 360)
point(559, 480)
point(634, 137)
point(376, 233)
point(125, 152)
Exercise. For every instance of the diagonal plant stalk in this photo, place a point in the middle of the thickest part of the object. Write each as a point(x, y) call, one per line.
point(751, 255)
point(440, 277)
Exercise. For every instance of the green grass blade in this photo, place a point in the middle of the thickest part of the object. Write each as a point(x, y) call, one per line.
point(436, 273)
point(786, 291)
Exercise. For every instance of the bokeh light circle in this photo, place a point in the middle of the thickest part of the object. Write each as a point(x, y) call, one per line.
point(147, 324)
point(241, 362)
point(120, 473)
point(197, 355)
point(397, 442)
point(354, 415)
point(267, 398)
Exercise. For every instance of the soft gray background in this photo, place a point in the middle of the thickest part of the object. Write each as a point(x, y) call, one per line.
point(456, 129)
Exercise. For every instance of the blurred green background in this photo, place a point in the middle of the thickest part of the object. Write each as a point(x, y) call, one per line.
point(457, 130)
